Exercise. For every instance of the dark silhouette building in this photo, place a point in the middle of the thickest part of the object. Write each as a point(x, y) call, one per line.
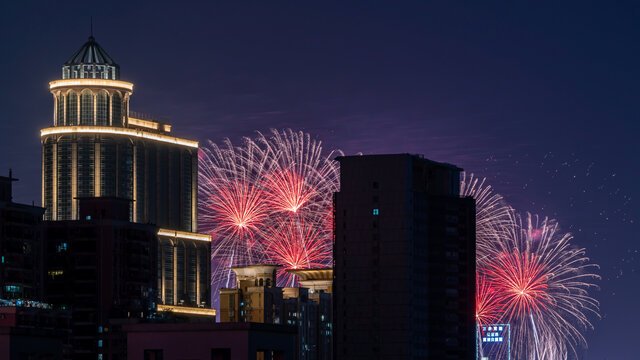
point(404, 255)
point(103, 268)
point(20, 246)
point(215, 341)
point(33, 330)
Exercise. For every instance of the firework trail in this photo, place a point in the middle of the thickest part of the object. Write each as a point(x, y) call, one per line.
point(494, 218)
point(488, 309)
point(267, 201)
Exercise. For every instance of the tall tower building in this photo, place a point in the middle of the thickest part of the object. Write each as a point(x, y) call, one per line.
point(96, 149)
point(404, 276)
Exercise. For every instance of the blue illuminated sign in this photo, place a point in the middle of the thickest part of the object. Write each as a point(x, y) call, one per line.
point(493, 334)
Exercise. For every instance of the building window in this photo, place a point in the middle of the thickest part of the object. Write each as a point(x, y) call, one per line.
point(221, 354)
point(102, 109)
point(86, 108)
point(376, 212)
point(72, 109)
point(116, 110)
point(152, 354)
point(53, 273)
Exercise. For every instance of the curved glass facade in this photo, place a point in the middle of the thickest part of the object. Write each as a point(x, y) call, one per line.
point(159, 178)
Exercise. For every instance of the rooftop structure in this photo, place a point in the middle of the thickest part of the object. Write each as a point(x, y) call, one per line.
point(91, 61)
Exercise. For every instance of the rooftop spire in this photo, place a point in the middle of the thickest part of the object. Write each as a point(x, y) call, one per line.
point(91, 61)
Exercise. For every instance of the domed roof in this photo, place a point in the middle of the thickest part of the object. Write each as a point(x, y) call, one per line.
point(91, 53)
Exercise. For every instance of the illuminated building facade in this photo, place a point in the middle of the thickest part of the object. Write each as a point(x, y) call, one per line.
point(404, 251)
point(255, 298)
point(96, 149)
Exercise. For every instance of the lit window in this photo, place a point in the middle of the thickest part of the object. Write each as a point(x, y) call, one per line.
point(99, 343)
point(376, 212)
point(88, 217)
point(62, 247)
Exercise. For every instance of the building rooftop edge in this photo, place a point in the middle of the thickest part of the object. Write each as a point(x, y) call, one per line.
point(88, 129)
point(421, 157)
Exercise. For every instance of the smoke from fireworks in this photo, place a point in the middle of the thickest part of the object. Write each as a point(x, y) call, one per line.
point(267, 201)
point(538, 279)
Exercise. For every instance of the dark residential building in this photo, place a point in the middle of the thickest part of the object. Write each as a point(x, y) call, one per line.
point(404, 253)
point(309, 307)
point(20, 246)
point(103, 268)
point(96, 147)
point(257, 299)
point(215, 341)
point(33, 330)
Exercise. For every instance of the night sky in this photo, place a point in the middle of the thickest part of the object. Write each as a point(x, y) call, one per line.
point(543, 101)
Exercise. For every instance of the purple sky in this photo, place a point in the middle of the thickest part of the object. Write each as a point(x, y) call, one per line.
point(542, 101)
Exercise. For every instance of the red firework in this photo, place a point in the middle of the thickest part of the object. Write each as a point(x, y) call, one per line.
point(287, 191)
point(295, 244)
point(238, 208)
point(520, 281)
point(488, 307)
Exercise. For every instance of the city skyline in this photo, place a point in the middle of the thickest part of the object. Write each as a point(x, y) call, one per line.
point(515, 94)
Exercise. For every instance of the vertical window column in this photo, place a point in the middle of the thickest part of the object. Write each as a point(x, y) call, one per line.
point(72, 109)
point(87, 108)
point(74, 180)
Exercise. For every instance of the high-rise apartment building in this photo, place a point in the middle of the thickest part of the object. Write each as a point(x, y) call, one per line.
point(102, 267)
point(309, 307)
point(20, 246)
point(96, 149)
point(404, 276)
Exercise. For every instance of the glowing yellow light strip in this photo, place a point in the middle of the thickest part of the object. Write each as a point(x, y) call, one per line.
point(184, 235)
point(91, 82)
point(187, 310)
point(117, 131)
point(143, 123)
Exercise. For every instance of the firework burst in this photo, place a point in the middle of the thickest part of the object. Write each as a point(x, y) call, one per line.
point(296, 244)
point(532, 276)
point(542, 283)
point(267, 201)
